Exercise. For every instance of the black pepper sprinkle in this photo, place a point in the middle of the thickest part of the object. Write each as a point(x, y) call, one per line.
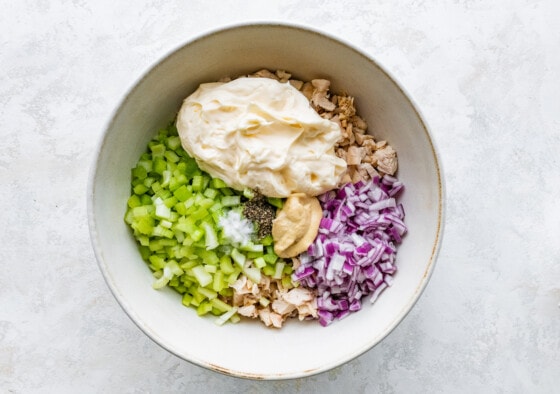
point(259, 211)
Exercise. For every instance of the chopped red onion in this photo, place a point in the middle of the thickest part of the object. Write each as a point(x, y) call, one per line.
point(353, 255)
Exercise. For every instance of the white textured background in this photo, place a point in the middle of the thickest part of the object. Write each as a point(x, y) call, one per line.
point(486, 75)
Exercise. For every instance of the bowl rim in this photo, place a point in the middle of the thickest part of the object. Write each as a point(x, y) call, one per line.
point(441, 207)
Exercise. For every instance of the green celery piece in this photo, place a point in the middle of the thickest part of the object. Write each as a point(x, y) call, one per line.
point(203, 308)
point(211, 236)
point(157, 150)
point(144, 226)
point(225, 265)
point(238, 257)
point(231, 201)
point(288, 269)
point(253, 273)
point(217, 183)
point(145, 252)
point(267, 241)
point(182, 193)
point(203, 277)
point(268, 270)
point(165, 178)
point(211, 269)
point(170, 202)
point(226, 316)
point(160, 165)
point(211, 194)
point(270, 258)
point(134, 201)
point(197, 182)
point(173, 142)
point(139, 172)
point(233, 276)
point(226, 191)
point(264, 301)
point(250, 247)
point(162, 211)
point(210, 294)
point(145, 199)
point(218, 283)
point(209, 257)
point(160, 231)
point(187, 299)
point(277, 202)
point(171, 156)
point(226, 291)
point(234, 319)
point(197, 235)
point(219, 304)
point(191, 168)
point(278, 270)
point(287, 282)
point(147, 164)
point(248, 193)
point(259, 262)
point(140, 189)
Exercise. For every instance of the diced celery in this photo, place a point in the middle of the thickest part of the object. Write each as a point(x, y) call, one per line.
point(139, 172)
point(211, 236)
point(210, 294)
point(267, 241)
point(253, 273)
point(134, 201)
point(248, 193)
point(225, 265)
point(160, 165)
point(211, 194)
point(182, 193)
point(264, 301)
point(250, 247)
point(238, 257)
point(226, 316)
point(269, 270)
point(157, 150)
point(166, 177)
point(173, 142)
point(197, 234)
point(287, 282)
point(219, 304)
point(278, 270)
point(218, 283)
point(270, 258)
point(187, 298)
point(210, 268)
point(171, 156)
point(140, 189)
point(204, 308)
point(197, 183)
point(217, 183)
point(203, 277)
point(231, 201)
point(259, 262)
point(274, 201)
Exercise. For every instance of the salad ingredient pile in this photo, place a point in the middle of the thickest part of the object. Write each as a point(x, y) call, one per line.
point(268, 199)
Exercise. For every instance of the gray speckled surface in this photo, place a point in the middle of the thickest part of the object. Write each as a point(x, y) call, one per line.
point(486, 76)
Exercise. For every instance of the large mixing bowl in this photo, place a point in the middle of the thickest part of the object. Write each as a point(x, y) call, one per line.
point(249, 349)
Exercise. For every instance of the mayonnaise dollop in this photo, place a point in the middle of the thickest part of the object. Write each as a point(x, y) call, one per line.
point(262, 134)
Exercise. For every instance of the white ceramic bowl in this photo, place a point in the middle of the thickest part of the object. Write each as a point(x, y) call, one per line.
point(248, 349)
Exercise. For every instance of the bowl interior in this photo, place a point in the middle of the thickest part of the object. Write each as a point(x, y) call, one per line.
point(248, 349)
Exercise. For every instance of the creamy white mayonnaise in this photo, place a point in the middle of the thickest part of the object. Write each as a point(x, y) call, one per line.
point(262, 134)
